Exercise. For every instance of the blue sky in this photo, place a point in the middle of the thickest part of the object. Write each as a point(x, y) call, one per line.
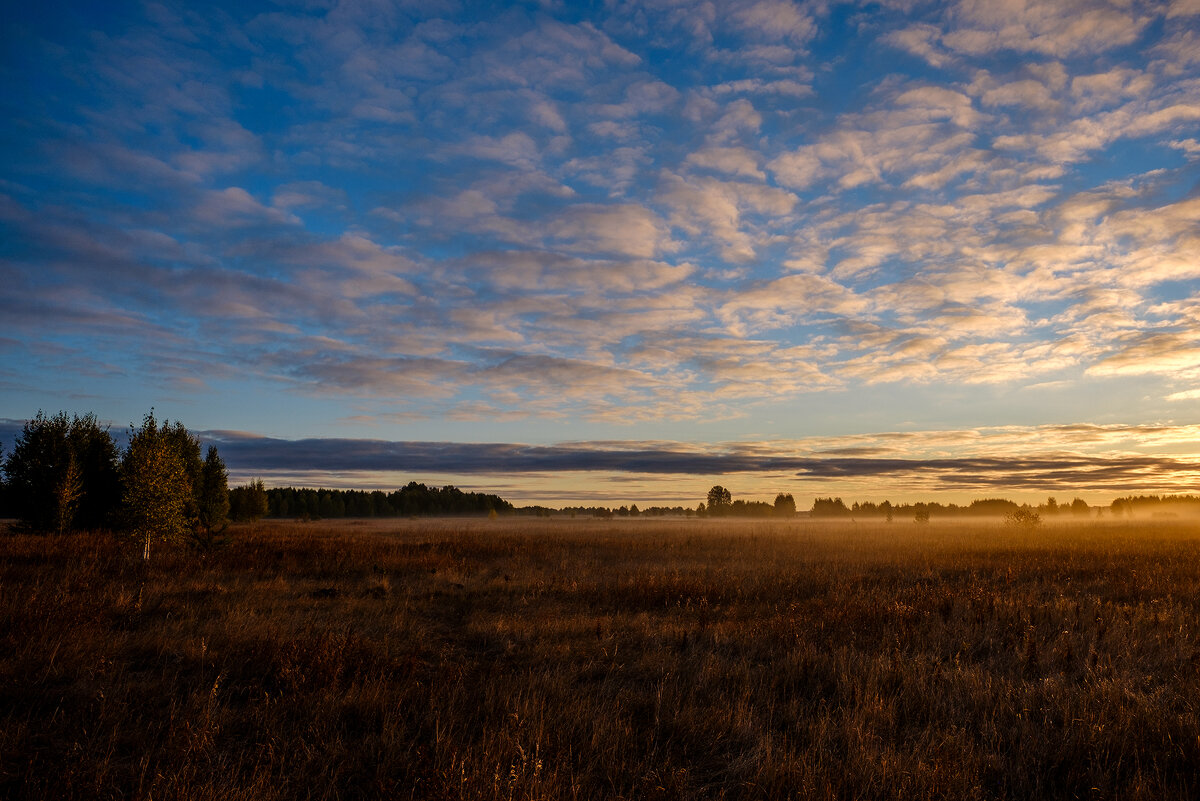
point(893, 249)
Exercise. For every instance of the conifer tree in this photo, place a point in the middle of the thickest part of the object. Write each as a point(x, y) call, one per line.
point(62, 474)
point(212, 500)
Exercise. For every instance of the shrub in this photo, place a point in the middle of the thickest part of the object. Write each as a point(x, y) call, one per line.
point(1023, 518)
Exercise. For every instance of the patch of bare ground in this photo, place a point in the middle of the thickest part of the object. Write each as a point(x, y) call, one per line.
point(522, 659)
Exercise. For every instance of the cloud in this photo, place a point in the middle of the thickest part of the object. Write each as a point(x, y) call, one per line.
point(921, 40)
point(627, 229)
point(1154, 353)
point(1049, 27)
point(776, 20)
point(703, 206)
point(786, 300)
point(516, 149)
point(1047, 472)
point(235, 206)
point(737, 161)
point(519, 270)
point(785, 87)
point(676, 206)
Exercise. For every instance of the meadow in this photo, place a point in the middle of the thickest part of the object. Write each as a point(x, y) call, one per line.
point(632, 659)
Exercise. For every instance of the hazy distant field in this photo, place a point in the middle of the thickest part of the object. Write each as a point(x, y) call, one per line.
point(521, 659)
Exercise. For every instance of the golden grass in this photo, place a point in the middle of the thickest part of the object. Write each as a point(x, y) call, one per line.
point(524, 659)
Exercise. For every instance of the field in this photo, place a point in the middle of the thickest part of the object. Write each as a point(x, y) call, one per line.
point(523, 659)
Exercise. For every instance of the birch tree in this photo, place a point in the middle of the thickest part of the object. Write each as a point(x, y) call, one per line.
point(157, 488)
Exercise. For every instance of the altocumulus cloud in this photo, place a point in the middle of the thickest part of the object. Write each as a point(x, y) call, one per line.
point(597, 220)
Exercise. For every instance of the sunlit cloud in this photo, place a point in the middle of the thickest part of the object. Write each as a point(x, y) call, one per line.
point(516, 224)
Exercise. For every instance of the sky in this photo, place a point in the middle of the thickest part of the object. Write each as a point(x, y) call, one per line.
point(610, 252)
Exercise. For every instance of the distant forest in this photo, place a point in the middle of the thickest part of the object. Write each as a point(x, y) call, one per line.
point(417, 500)
point(412, 500)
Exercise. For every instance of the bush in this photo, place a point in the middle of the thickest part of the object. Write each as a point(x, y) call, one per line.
point(1023, 518)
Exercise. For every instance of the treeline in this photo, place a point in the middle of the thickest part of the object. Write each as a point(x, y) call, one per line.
point(1162, 505)
point(984, 507)
point(66, 474)
point(720, 503)
point(412, 500)
point(606, 512)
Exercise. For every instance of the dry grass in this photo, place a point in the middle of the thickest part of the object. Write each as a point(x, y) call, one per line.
point(572, 659)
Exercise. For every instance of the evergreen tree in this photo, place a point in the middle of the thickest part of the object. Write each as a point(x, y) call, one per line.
point(62, 474)
point(250, 502)
point(96, 456)
point(212, 500)
point(187, 447)
point(35, 472)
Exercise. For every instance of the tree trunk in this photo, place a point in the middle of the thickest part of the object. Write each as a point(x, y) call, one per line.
point(146, 549)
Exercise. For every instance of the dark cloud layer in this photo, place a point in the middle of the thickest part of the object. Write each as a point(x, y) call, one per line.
point(251, 453)
point(316, 461)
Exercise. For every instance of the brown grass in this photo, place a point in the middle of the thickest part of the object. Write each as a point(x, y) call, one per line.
point(640, 659)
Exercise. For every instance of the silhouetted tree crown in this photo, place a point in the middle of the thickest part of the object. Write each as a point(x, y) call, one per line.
point(212, 500)
point(62, 474)
point(829, 507)
point(719, 500)
point(249, 503)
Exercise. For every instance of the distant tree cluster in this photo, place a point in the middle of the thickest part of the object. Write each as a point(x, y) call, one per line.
point(250, 502)
point(923, 511)
point(66, 474)
point(1157, 505)
point(411, 500)
point(63, 474)
point(604, 512)
point(720, 503)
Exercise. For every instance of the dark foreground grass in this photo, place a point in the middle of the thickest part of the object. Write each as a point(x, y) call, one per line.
point(536, 659)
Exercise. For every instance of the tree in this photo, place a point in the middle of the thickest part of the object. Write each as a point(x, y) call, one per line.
point(212, 500)
point(157, 487)
point(98, 461)
point(248, 503)
point(66, 495)
point(187, 447)
point(719, 501)
point(785, 505)
point(35, 471)
point(62, 474)
point(829, 507)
